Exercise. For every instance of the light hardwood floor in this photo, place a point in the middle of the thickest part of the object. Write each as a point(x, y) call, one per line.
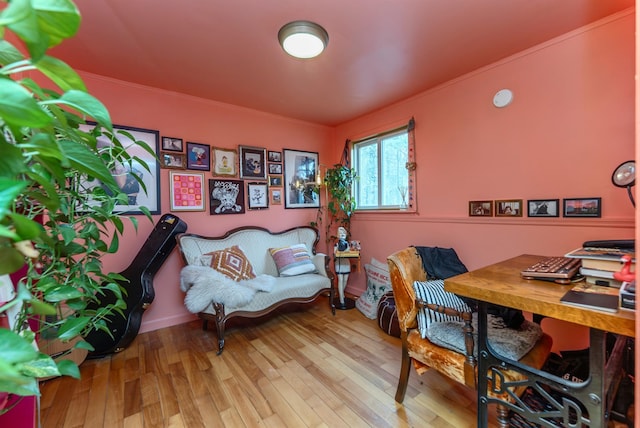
point(297, 368)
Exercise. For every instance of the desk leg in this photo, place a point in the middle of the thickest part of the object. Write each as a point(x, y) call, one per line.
point(568, 403)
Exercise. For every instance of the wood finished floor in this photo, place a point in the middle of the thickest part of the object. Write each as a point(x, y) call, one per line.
point(297, 368)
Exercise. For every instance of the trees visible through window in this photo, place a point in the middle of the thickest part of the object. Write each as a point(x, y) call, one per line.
point(381, 166)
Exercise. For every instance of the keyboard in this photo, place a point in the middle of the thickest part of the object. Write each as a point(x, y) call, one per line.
point(558, 269)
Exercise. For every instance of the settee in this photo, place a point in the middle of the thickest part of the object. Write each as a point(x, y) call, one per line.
point(272, 269)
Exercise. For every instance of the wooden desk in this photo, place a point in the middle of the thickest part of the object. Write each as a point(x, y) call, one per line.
point(502, 284)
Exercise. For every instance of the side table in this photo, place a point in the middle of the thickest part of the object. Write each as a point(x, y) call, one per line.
point(343, 260)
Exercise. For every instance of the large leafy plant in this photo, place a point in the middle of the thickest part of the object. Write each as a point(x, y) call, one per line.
point(54, 225)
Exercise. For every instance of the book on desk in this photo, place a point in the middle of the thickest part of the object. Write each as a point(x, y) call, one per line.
point(607, 259)
point(591, 296)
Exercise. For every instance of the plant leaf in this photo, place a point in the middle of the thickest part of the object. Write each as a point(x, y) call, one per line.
point(86, 104)
point(60, 73)
point(17, 107)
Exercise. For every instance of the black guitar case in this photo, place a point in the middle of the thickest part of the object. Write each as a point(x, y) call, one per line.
point(139, 288)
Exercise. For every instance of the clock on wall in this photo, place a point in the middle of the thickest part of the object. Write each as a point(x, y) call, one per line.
point(502, 98)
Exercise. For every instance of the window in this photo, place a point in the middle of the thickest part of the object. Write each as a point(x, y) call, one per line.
point(381, 165)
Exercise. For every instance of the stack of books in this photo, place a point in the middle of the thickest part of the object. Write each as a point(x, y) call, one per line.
point(600, 263)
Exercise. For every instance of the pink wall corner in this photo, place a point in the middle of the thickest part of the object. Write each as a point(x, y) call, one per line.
point(215, 124)
point(570, 124)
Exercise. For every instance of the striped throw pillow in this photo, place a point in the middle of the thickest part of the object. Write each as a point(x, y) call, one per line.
point(293, 260)
point(433, 292)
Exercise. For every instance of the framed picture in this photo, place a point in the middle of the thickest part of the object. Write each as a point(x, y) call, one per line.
point(198, 156)
point(170, 144)
point(543, 207)
point(187, 191)
point(226, 197)
point(508, 208)
point(144, 166)
point(257, 196)
point(300, 188)
point(253, 162)
point(172, 160)
point(582, 207)
point(275, 180)
point(275, 196)
point(480, 208)
point(224, 162)
point(275, 156)
point(275, 168)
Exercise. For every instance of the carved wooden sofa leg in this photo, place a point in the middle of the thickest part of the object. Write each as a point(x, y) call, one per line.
point(220, 324)
point(405, 369)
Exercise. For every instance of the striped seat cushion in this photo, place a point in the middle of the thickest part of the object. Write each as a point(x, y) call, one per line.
point(432, 291)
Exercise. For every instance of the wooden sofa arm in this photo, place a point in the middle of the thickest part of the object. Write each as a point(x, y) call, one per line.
point(470, 359)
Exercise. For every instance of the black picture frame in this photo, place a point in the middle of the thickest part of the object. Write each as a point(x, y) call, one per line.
point(300, 171)
point(198, 156)
point(253, 163)
point(274, 156)
point(171, 144)
point(582, 207)
point(275, 168)
point(543, 208)
point(145, 166)
point(257, 196)
point(226, 197)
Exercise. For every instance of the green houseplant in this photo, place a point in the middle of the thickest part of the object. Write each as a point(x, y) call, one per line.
point(341, 204)
point(54, 227)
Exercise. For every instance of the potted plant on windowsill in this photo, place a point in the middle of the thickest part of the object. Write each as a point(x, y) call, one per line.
point(53, 226)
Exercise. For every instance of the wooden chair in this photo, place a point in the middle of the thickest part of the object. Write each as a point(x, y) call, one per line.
point(405, 267)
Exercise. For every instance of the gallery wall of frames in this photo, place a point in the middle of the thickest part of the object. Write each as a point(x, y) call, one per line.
point(224, 180)
point(571, 207)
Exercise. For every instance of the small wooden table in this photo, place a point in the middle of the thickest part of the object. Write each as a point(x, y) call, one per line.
point(502, 284)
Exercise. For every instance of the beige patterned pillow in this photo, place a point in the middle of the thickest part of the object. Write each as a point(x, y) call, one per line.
point(231, 262)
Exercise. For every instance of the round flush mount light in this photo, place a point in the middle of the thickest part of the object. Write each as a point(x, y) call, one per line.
point(303, 39)
point(502, 98)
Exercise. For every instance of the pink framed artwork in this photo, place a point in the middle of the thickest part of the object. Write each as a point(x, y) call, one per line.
point(187, 191)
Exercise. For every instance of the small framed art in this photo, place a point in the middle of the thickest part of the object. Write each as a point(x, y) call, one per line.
point(508, 208)
point(172, 160)
point(275, 196)
point(480, 208)
point(253, 162)
point(198, 156)
point(275, 156)
point(275, 168)
point(224, 162)
point(187, 191)
point(257, 196)
point(582, 207)
point(275, 181)
point(543, 207)
point(226, 197)
point(171, 144)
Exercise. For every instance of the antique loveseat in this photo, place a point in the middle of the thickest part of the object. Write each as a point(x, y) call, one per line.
point(250, 271)
point(434, 346)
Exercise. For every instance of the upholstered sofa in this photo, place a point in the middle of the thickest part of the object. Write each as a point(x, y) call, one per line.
point(301, 275)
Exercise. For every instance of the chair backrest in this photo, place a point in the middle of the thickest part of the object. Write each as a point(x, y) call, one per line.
point(405, 267)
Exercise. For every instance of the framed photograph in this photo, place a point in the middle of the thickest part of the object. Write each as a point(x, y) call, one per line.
point(508, 208)
point(144, 166)
point(480, 208)
point(275, 168)
point(275, 156)
point(170, 144)
point(257, 196)
point(224, 162)
point(198, 156)
point(172, 160)
point(275, 196)
point(226, 197)
point(543, 207)
point(253, 162)
point(582, 207)
point(187, 191)
point(275, 180)
point(300, 188)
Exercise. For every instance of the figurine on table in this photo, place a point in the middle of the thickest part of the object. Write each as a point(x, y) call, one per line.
point(343, 269)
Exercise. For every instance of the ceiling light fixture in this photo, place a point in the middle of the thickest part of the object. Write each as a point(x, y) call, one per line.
point(303, 39)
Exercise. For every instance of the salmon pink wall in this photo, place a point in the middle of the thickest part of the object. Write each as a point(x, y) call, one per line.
point(207, 122)
point(570, 124)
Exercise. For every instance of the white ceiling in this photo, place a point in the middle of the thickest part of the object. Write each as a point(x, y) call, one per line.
point(380, 51)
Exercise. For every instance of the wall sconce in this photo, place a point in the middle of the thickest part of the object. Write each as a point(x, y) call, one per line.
point(625, 176)
point(303, 39)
